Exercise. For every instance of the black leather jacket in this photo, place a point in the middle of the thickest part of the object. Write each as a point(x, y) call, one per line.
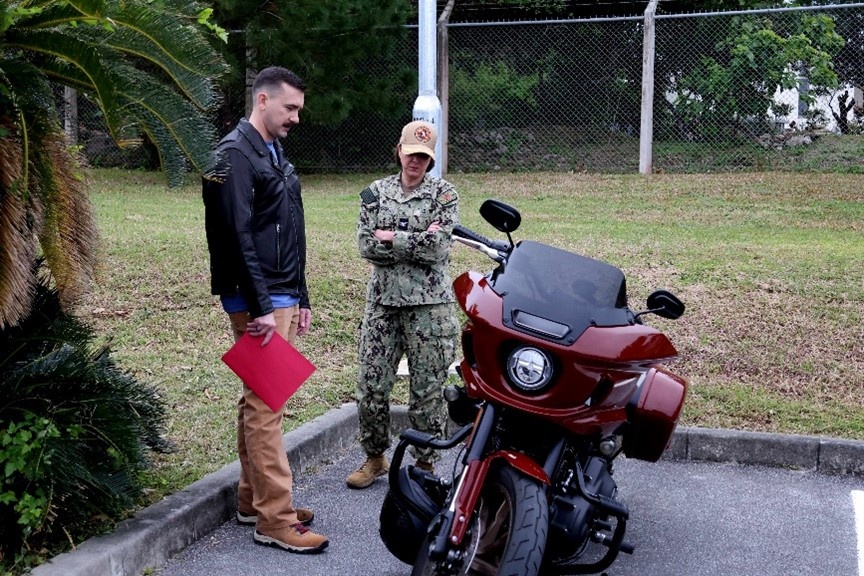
point(254, 222)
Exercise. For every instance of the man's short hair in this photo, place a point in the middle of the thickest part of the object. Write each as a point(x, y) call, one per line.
point(273, 77)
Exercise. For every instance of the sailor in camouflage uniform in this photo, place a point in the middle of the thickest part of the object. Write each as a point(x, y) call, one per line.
point(404, 230)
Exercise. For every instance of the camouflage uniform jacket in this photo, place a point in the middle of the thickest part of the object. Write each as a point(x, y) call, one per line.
point(414, 268)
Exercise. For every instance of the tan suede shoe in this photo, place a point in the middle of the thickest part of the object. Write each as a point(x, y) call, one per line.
point(296, 538)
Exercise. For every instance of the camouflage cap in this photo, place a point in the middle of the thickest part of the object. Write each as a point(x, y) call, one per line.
point(419, 137)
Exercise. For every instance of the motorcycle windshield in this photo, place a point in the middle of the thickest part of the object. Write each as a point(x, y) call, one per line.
point(558, 294)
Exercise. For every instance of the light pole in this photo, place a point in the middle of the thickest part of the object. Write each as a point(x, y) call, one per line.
point(427, 106)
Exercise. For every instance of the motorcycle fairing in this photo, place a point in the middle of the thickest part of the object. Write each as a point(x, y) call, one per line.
point(595, 377)
point(546, 285)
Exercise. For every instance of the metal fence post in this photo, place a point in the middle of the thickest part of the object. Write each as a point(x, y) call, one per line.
point(249, 73)
point(646, 131)
point(444, 84)
point(70, 115)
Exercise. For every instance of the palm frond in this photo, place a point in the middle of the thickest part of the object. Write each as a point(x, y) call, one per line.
point(17, 243)
point(94, 8)
point(181, 50)
point(28, 107)
point(150, 69)
point(55, 203)
point(178, 129)
point(67, 45)
point(128, 35)
point(52, 14)
point(68, 235)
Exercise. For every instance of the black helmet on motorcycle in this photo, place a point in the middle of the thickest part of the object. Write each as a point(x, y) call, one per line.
point(408, 509)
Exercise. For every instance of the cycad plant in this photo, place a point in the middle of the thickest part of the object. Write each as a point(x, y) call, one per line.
point(74, 431)
point(151, 68)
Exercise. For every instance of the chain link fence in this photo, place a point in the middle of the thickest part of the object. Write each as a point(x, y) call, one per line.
point(773, 89)
point(559, 96)
point(86, 130)
point(755, 90)
point(732, 91)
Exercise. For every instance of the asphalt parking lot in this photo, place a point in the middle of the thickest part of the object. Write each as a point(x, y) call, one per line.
point(194, 523)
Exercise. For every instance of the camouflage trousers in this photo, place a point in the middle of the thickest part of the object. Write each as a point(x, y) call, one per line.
point(427, 335)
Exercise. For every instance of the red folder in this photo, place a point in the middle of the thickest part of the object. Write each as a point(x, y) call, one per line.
point(274, 372)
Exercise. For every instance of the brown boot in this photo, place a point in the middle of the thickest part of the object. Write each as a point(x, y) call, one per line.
point(372, 468)
point(425, 466)
point(295, 538)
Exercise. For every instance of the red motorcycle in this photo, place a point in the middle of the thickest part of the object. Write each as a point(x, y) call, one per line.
point(560, 377)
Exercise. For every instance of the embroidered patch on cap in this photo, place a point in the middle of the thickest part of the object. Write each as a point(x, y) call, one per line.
point(423, 134)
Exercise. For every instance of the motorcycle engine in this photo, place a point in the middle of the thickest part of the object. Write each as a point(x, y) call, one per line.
point(572, 518)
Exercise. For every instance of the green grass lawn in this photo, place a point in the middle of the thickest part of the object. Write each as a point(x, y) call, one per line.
point(770, 265)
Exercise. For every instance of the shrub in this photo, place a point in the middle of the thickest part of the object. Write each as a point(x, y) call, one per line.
point(493, 93)
point(74, 433)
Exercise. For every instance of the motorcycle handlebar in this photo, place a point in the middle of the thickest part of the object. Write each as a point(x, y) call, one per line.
point(462, 232)
point(424, 440)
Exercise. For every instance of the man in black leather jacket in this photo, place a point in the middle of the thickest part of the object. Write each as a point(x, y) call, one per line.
point(256, 238)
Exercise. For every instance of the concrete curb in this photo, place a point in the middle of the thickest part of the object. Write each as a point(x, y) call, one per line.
point(164, 529)
point(824, 455)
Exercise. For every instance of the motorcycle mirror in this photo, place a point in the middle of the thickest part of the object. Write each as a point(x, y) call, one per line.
point(665, 304)
point(501, 216)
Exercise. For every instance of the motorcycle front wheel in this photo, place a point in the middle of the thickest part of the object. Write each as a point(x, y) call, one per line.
point(507, 535)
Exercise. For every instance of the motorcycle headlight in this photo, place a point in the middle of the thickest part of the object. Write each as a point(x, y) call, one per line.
point(530, 369)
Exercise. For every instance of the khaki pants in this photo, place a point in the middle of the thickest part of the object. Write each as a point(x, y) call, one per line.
point(265, 476)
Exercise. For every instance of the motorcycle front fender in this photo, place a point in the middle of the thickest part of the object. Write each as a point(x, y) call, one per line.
point(471, 485)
